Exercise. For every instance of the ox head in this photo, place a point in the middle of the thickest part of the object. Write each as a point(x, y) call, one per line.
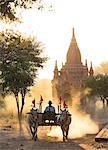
point(64, 115)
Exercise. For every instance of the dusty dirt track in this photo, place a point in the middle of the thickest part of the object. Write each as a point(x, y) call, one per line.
point(10, 140)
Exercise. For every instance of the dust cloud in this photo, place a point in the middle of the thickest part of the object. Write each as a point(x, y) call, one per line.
point(81, 123)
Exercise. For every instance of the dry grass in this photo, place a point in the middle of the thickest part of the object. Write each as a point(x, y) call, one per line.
point(9, 119)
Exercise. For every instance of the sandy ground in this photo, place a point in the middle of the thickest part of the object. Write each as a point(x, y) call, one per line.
point(11, 140)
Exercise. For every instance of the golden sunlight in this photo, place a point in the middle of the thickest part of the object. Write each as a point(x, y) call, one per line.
point(54, 30)
point(75, 40)
point(81, 125)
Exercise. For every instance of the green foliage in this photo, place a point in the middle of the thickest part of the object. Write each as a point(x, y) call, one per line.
point(6, 10)
point(2, 103)
point(20, 58)
point(98, 85)
point(8, 7)
point(90, 83)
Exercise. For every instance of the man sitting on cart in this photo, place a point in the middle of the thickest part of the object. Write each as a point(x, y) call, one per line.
point(49, 113)
point(50, 108)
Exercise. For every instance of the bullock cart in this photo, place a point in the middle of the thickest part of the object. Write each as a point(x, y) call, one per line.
point(36, 119)
point(48, 119)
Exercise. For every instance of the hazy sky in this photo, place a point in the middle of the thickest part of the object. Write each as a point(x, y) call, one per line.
point(54, 29)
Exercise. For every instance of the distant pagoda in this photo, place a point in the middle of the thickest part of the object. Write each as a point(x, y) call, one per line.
point(69, 79)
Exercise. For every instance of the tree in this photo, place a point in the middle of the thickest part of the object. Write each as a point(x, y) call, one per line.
point(102, 88)
point(20, 59)
point(99, 86)
point(2, 102)
point(90, 82)
point(8, 7)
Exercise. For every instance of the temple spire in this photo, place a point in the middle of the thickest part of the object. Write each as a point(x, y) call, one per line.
point(73, 32)
point(73, 54)
point(73, 36)
point(73, 40)
point(56, 65)
point(91, 72)
point(86, 66)
point(86, 63)
point(56, 70)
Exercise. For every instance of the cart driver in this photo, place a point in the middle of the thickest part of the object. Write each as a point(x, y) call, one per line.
point(50, 108)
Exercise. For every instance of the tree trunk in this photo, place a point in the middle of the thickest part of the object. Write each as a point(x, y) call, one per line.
point(103, 103)
point(22, 106)
point(103, 100)
point(17, 102)
point(23, 93)
point(107, 101)
point(18, 110)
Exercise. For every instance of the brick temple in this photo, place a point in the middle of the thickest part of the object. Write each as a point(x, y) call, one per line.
point(69, 79)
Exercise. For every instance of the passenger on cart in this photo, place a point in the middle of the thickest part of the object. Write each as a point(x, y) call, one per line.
point(49, 113)
point(50, 108)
